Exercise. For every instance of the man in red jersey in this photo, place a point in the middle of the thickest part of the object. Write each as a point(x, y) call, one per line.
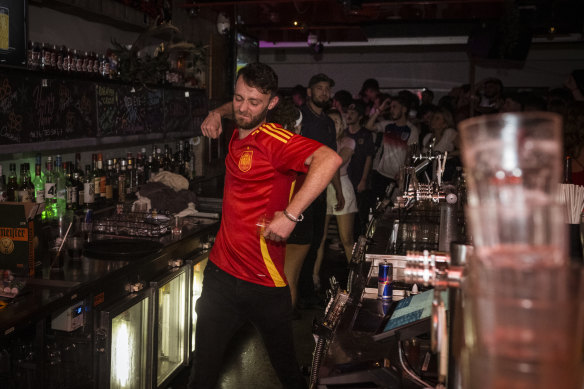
point(244, 279)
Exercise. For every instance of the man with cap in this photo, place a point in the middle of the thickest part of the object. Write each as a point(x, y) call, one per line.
point(305, 239)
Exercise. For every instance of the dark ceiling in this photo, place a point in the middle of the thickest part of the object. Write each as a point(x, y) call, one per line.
point(360, 20)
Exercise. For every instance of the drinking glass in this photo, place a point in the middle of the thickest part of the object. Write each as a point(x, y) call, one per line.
point(522, 299)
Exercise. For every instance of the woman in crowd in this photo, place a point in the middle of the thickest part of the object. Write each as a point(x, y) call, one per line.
point(346, 215)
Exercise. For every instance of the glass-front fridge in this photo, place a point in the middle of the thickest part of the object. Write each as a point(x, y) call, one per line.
point(123, 336)
point(196, 289)
point(172, 301)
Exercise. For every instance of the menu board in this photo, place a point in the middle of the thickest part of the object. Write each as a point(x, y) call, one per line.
point(12, 111)
point(59, 109)
point(35, 109)
point(38, 109)
point(127, 110)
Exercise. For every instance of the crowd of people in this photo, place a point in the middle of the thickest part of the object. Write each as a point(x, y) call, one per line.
point(376, 133)
point(296, 160)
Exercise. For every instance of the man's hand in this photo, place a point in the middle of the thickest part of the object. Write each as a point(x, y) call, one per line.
point(279, 228)
point(361, 186)
point(211, 126)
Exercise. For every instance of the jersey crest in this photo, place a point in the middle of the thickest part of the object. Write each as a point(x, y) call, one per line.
point(245, 160)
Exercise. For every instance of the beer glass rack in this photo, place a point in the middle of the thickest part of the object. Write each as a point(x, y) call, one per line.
point(139, 224)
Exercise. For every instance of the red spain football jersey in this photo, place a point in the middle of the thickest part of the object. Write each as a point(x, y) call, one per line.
point(259, 177)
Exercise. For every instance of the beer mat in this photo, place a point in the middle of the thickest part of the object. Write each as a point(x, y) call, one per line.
point(120, 249)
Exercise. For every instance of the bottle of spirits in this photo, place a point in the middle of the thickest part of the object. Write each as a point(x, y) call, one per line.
point(131, 176)
point(50, 191)
point(71, 188)
point(26, 189)
point(109, 181)
point(12, 186)
point(39, 181)
point(122, 181)
point(88, 187)
point(60, 181)
point(101, 174)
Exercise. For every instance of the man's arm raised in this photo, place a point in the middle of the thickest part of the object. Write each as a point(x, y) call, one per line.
point(211, 126)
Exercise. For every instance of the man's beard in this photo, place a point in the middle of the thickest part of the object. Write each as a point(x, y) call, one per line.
point(254, 122)
point(321, 104)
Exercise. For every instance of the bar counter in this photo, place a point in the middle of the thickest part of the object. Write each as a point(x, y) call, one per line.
point(101, 280)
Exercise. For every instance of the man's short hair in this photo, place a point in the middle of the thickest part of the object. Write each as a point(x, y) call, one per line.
point(260, 76)
point(298, 90)
point(320, 77)
point(344, 98)
point(358, 106)
point(370, 83)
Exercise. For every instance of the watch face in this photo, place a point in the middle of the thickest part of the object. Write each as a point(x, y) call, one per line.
point(6, 245)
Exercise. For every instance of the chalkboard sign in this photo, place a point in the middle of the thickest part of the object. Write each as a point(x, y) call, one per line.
point(127, 110)
point(13, 109)
point(33, 109)
point(177, 111)
point(59, 109)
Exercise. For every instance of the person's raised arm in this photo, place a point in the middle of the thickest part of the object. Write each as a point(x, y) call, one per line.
point(323, 164)
point(211, 126)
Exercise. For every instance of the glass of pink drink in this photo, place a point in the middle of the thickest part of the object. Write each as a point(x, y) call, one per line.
point(523, 300)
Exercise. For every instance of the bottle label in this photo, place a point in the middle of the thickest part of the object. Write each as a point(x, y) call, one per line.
point(50, 190)
point(24, 196)
point(96, 186)
point(102, 186)
point(88, 192)
point(39, 196)
point(72, 195)
point(3, 195)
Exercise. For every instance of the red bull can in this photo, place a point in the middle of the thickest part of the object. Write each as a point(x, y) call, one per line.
point(385, 281)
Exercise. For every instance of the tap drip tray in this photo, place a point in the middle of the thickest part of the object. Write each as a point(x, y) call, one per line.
point(121, 249)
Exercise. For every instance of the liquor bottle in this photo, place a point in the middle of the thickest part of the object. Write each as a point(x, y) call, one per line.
point(72, 198)
point(140, 169)
point(50, 190)
point(26, 189)
point(3, 194)
point(122, 182)
point(109, 181)
point(39, 181)
point(101, 178)
point(12, 186)
point(78, 182)
point(61, 185)
point(88, 187)
point(95, 177)
point(131, 176)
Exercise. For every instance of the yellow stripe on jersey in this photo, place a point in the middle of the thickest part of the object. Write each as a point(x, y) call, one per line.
point(283, 132)
point(274, 135)
point(291, 190)
point(276, 277)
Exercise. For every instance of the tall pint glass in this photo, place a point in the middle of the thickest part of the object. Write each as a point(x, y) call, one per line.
point(523, 300)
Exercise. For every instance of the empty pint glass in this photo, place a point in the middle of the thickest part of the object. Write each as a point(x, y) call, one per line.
point(522, 300)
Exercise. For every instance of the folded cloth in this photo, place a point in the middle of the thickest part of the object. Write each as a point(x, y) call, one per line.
point(164, 198)
point(190, 210)
point(175, 181)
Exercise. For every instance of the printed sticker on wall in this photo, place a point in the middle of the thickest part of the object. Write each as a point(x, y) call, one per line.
point(4, 28)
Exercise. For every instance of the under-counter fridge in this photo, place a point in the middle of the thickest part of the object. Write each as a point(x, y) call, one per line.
point(172, 301)
point(123, 342)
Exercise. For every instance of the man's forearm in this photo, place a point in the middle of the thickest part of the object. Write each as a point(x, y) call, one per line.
point(324, 163)
point(225, 110)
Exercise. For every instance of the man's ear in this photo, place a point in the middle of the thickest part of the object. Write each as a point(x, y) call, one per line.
point(273, 102)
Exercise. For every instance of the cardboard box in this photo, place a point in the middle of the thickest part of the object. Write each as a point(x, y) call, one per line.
point(17, 237)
